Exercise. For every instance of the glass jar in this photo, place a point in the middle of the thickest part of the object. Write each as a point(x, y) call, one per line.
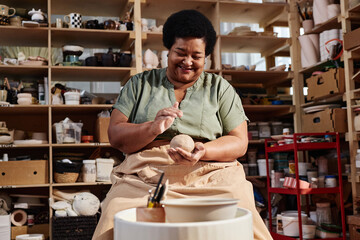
point(264, 130)
point(276, 128)
point(253, 130)
point(88, 171)
point(323, 213)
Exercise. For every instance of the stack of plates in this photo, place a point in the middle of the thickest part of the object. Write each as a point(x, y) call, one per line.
point(319, 108)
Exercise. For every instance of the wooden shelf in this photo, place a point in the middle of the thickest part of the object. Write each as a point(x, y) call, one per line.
point(254, 44)
point(355, 53)
point(79, 184)
point(332, 23)
point(26, 186)
point(24, 146)
point(91, 38)
point(151, 8)
point(92, 74)
point(259, 141)
point(21, 70)
point(81, 145)
point(274, 110)
point(317, 67)
point(266, 78)
point(108, 7)
point(35, 37)
point(27, 109)
point(153, 40)
point(263, 13)
point(83, 108)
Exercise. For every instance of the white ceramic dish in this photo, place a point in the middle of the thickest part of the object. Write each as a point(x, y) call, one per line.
point(24, 95)
point(24, 101)
point(320, 108)
point(72, 48)
point(126, 228)
point(199, 209)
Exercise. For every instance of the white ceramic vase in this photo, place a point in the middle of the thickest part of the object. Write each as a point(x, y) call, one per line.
point(164, 59)
point(151, 60)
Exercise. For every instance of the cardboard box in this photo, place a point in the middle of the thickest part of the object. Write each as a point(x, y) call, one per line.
point(329, 120)
point(351, 39)
point(24, 172)
point(325, 84)
point(102, 125)
point(354, 227)
point(35, 229)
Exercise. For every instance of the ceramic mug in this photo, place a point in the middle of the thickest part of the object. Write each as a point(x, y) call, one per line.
point(73, 20)
point(4, 11)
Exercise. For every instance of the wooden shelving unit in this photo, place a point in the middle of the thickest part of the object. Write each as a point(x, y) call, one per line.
point(41, 117)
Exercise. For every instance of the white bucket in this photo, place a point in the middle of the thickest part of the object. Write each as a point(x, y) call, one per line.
point(290, 222)
point(308, 231)
point(303, 167)
point(262, 166)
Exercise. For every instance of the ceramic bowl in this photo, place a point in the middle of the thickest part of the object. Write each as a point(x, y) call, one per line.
point(24, 95)
point(72, 50)
point(199, 209)
point(24, 101)
point(72, 98)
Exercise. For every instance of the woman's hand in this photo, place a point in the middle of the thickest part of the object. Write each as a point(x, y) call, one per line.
point(164, 118)
point(180, 156)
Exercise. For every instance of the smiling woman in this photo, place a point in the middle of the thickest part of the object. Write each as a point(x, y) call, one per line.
point(154, 106)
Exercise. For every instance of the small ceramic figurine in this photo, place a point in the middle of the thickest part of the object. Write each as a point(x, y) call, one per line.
point(164, 59)
point(36, 15)
point(144, 25)
point(151, 60)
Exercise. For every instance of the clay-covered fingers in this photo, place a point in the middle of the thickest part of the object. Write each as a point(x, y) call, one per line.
point(178, 158)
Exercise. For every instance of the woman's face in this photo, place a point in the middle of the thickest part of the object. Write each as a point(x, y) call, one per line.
point(186, 60)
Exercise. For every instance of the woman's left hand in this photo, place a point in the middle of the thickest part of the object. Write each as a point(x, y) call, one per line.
point(180, 156)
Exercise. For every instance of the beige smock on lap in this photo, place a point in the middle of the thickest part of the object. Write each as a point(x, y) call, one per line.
point(211, 108)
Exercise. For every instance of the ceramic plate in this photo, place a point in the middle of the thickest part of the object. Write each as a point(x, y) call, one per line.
point(320, 108)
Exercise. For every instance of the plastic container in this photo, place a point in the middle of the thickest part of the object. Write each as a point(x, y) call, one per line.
point(72, 98)
point(253, 169)
point(323, 213)
point(308, 231)
point(290, 221)
point(330, 181)
point(303, 167)
point(264, 130)
point(253, 129)
point(30, 237)
point(262, 166)
point(279, 224)
point(104, 166)
point(88, 171)
point(276, 128)
point(68, 131)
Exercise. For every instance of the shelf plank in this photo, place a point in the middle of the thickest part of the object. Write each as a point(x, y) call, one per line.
point(24, 109)
point(91, 38)
point(254, 44)
point(245, 12)
point(80, 184)
point(21, 70)
point(84, 108)
point(317, 67)
point(153, 41)
point(24, 146)
point(259, 141)
point(274, 110)
point(355, 53)
point(151, 8)
point(81, 145)
point(35, 37)
point(304, 191)
point(87, 74)
point(91, 7)
point(332, 23)
point(266, 78)
point(26, 186)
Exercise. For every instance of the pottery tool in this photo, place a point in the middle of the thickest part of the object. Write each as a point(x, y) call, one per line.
point(152, 199)
point(300, 13)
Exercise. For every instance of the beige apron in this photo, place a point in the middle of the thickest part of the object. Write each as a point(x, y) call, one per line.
point(139, 172)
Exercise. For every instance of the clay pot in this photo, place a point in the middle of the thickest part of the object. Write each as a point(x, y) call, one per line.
point(91, 61)
point(92, 24)
point(125, 59)
point(110, 25)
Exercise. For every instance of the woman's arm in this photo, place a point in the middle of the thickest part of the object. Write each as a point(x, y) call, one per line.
point(224, 149)
point(130, 137)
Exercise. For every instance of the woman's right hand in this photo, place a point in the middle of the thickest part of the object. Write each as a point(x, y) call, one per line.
point(165, 118)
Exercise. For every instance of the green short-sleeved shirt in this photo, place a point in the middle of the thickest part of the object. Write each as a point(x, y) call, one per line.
point(211, 107)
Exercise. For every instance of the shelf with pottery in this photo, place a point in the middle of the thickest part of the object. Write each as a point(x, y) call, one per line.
point(316, 67)
point(80, 184)
point(25, 186)
point(266, 78)
point(85, 73)
point(245, 12)
point(266, 45)
point(332, 23)
point(81, 145)
point(22, 36)
point(92, 38)
point(24, 109)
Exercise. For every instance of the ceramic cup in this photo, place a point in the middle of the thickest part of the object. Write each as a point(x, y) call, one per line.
point(15, 21)
point(58, 23)
point(4, 11)
point(3, 95)
point(73, 20)
point(308, 25)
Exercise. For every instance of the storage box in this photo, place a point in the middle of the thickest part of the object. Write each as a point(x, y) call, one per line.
point(35, 229)
point(330, 82)
point(351, 39)
point(73, 228)
point(329, 120)
point(102, 125)
point(354, 227)
point(24, 172)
